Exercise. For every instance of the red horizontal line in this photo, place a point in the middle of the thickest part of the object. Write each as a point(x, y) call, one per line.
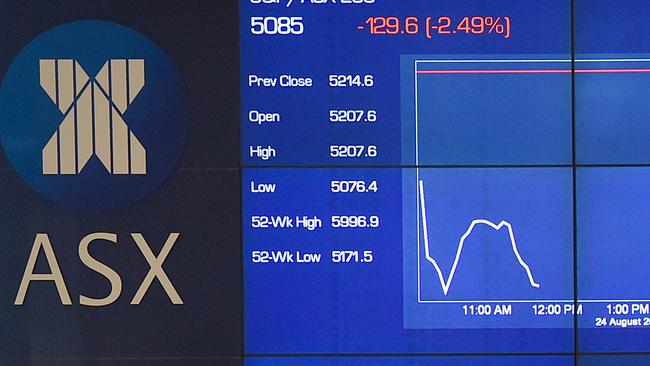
point(605, 71)
point(536, 71)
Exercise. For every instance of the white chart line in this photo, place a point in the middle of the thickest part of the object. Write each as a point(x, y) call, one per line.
point(447, 283)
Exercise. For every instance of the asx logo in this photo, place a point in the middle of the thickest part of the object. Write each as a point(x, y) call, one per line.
point(43, 244)
point(93, 115)
point(93, 111)
point(94, 142)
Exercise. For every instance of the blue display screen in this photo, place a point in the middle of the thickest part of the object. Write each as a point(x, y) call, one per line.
point(445, 182)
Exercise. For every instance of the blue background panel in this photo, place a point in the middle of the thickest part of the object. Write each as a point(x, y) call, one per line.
point(601, 26)
point(613, 253)
point(612, 113)
point(613, 234)
point(415, 361)
point(614, 360)
point(489, 119)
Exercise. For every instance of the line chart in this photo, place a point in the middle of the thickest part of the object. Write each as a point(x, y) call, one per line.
point(442, 136)
point(446, 283)
point(478, 175)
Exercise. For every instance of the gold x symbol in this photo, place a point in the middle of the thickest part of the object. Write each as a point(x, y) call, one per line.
point(93, 116)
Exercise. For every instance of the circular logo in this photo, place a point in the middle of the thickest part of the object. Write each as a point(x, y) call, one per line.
point(93, 115)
